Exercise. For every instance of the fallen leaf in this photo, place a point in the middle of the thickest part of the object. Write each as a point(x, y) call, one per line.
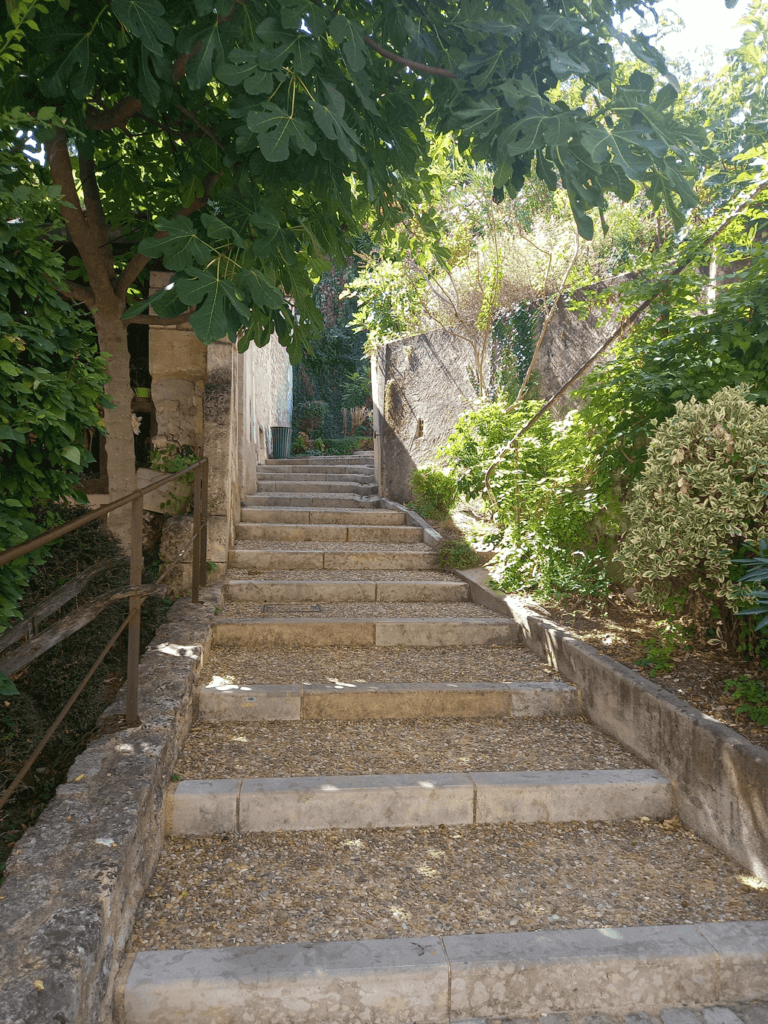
point(39, 986)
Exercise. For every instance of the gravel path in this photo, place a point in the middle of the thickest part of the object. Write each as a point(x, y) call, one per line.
point(359, 610)
point(503, 664)
point(344, 546)
point(230, 750)
point(361, 575)
point(380, 883)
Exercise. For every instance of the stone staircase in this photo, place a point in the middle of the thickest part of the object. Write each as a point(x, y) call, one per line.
point(384, 798)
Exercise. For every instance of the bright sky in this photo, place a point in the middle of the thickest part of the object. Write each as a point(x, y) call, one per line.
point(707, 23)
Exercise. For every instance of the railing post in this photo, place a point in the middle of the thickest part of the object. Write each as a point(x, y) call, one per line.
point(204, 527)
point(134, 610)
point(196, 525)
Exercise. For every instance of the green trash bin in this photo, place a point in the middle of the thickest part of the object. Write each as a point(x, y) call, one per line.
point(281, 442)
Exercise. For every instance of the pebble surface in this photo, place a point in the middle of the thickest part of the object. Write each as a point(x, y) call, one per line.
point(271, 749)
point(502, 664)
point(247, 889)
point(360, 610)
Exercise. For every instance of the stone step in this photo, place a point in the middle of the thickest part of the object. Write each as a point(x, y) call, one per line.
point(359, 517)
point(223, 699)
point(324, 460)
point(319, 471)
point(373, 558)
point(459, 978)
point(312, 487)
point(325, 632)
point(334, 478)
point(206, 806)
point(339, 533)
point(334, 591)
point(303, 500)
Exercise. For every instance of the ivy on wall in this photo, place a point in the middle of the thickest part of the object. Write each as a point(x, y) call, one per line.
point(338, 352)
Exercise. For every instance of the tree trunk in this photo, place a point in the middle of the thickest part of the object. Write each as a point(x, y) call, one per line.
point(121, 460)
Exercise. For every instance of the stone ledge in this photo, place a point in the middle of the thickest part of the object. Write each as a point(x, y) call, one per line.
point(75, 879)
point(720, 778)
point(431, 980)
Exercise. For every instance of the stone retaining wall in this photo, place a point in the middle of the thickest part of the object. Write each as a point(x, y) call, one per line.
point(720, 778)
point(75, 879)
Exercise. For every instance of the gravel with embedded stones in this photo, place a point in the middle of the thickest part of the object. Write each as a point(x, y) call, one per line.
point(227, 750)
point(269, 665)
point(358, 575)
point(245, 889)
point(359, 610)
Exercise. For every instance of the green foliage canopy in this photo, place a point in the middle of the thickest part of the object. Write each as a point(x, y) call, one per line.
point(242, 144)
point(51, 376)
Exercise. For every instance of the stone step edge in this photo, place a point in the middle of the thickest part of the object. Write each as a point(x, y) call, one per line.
point(336, 558)
point(412, 591)
point(310, 803)
point(292, 702)
point(384, 632)
point(434, 980)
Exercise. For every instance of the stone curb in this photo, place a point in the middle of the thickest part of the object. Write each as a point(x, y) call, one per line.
point(227, 702)
point(282, 591)
point(206, 806)
point(325, 632)
point(433, 981)
point(431, 537)
point(720, 778)
point(243, 558)
point(75, 879)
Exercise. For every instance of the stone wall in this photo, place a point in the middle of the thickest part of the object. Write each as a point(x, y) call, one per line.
point(245, 394)
point(178, 364)
point(421, 385)
point(74, 881)
point(270, 384)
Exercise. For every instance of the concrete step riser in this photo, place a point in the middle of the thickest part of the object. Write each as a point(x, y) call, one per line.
point(363, 632)
point(316, 478)
point(323, 591)
point(348, 517)
point(244, 559)
point(310, 487)
point(222, 701)
point(207, 806)
point(326, 534)
point(334, 462)
point(430, 980)
point(284, 501)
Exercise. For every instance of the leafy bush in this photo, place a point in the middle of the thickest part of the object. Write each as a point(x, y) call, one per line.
point(52, 378)
point(310, 417)
point(170, 458)
point(434, 492)
point(340, 445)
point(356, 389)
point(703, 495)
point(552, 526)
point(753, 694)
point(457, 554)
point(301, 443)
point(757, 572)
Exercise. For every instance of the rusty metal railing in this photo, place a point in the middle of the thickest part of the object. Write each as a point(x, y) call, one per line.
point(136, 592)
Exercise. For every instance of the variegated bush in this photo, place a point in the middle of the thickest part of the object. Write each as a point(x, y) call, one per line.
point(703, 495)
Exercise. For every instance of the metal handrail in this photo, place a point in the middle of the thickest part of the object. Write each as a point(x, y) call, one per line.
point(199, 543)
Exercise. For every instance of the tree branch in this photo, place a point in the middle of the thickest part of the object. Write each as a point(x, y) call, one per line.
point(75, 292)
point(139, 262)
point(425, 69)
point(82, 235)
point(203, 128)
point(93, 207)
point(116, 117)
point(160, 321)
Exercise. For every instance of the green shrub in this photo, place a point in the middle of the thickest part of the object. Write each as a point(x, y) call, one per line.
point(434, 492)
point(457, 554)
point(341, 445)
point(753, 695)
point(702, 496)
point(311, 417)
point(552, 526)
